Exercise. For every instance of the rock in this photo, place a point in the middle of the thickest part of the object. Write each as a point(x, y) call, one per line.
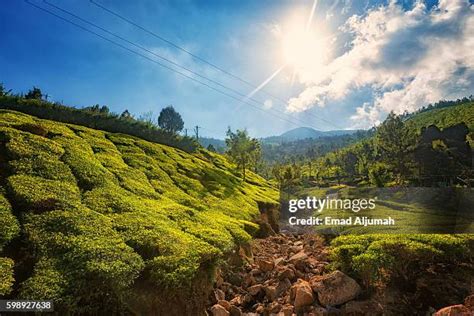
point(270, 292)
point(224, 304)
point(237, 300)
point(295, 249)
point(469, 302)
point(266, 265)
point(248, 280)
point(255, 289)
point(279, 261)
point(362, 308)
point(283, 286)
point(286, 273)
point(219, 294)
point(302, 294)
point(335, 288)
point(219, 310)
point(260, 308)
point(300, 256)
point(274, 308)
point(455, 310)
point(235, 311)
point(286, 310)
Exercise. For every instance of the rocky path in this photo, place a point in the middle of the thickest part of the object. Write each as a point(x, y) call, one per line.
point(286, 275)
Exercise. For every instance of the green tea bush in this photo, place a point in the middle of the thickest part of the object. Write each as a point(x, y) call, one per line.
point(378, 258)
point(104, 211)
point(8, 222)
point(6, 275)
point(39, 194)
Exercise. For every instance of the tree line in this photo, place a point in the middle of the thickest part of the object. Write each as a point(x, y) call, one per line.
point(164, 130)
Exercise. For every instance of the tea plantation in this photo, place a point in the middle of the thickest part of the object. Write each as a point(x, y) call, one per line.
point(86, 215)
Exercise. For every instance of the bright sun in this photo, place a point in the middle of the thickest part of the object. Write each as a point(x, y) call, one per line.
point(303, 49)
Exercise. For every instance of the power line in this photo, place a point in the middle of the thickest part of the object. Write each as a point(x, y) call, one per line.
point(154, 61)
point(162, 57)
point(200, 58)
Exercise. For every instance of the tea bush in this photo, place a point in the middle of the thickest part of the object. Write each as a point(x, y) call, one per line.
point(104, 211)
point(379, 258)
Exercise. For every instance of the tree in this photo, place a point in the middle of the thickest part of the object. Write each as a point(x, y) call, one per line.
point(170, 120)
point(3, 91)
point(210, 147)
point(125, 115)
point(396, 143)
point(34, 93)
point(242, 149)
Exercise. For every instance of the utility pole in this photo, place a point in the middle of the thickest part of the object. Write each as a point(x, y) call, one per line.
point(196, 131)
point(185, 132)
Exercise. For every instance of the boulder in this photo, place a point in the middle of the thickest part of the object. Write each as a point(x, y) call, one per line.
point(235, 311)
point(255, 289)
point(300, 256)
point(266, 265)
point(301, 294)
point(219, 294)
point(219, 310)
point(271, 292)
point(455, 310)
point(469, 302)
point(286, 273)
point(335, 288)
point(224, 304)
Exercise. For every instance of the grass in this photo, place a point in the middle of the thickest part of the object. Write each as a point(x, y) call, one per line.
point(104, 211)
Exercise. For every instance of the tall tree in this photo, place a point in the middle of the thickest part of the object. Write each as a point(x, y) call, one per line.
point(170, 120)
point(242, 149)
point(396, 143)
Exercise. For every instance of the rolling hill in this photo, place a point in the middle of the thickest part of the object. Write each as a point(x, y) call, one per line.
point(99, 221)
point(301, 133)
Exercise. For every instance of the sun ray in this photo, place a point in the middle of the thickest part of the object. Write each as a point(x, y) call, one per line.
point(264, 83)
point(311, 15)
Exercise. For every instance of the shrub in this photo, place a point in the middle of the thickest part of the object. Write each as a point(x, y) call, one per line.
point(6, 275)
point(382, 258)
point(8, 222)
point(35, 193)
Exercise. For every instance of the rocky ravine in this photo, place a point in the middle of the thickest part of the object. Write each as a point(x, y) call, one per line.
point(286, 275)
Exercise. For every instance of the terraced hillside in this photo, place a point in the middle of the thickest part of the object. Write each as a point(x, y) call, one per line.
point(101, 221)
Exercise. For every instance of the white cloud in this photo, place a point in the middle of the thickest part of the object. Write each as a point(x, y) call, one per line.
point(408, 58)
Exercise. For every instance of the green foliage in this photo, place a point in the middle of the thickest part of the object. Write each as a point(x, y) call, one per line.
point(170, 120)
point(95, 117)
point(8, 222)
point(39, 194)
point(380, 259)
point(242, 149)
point(104, 211)
point(34, 93)
point(6, 275)
point(443, 117)
point(379, 174)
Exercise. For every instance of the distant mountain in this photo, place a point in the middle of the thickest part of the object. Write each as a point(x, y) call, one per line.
point(218, 144)
point(305, 133)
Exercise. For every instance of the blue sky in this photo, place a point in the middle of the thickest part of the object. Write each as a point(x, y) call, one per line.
point(355, 62)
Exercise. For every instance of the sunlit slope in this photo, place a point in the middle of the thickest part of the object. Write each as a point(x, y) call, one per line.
point(98, 210)
point(445, 117)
